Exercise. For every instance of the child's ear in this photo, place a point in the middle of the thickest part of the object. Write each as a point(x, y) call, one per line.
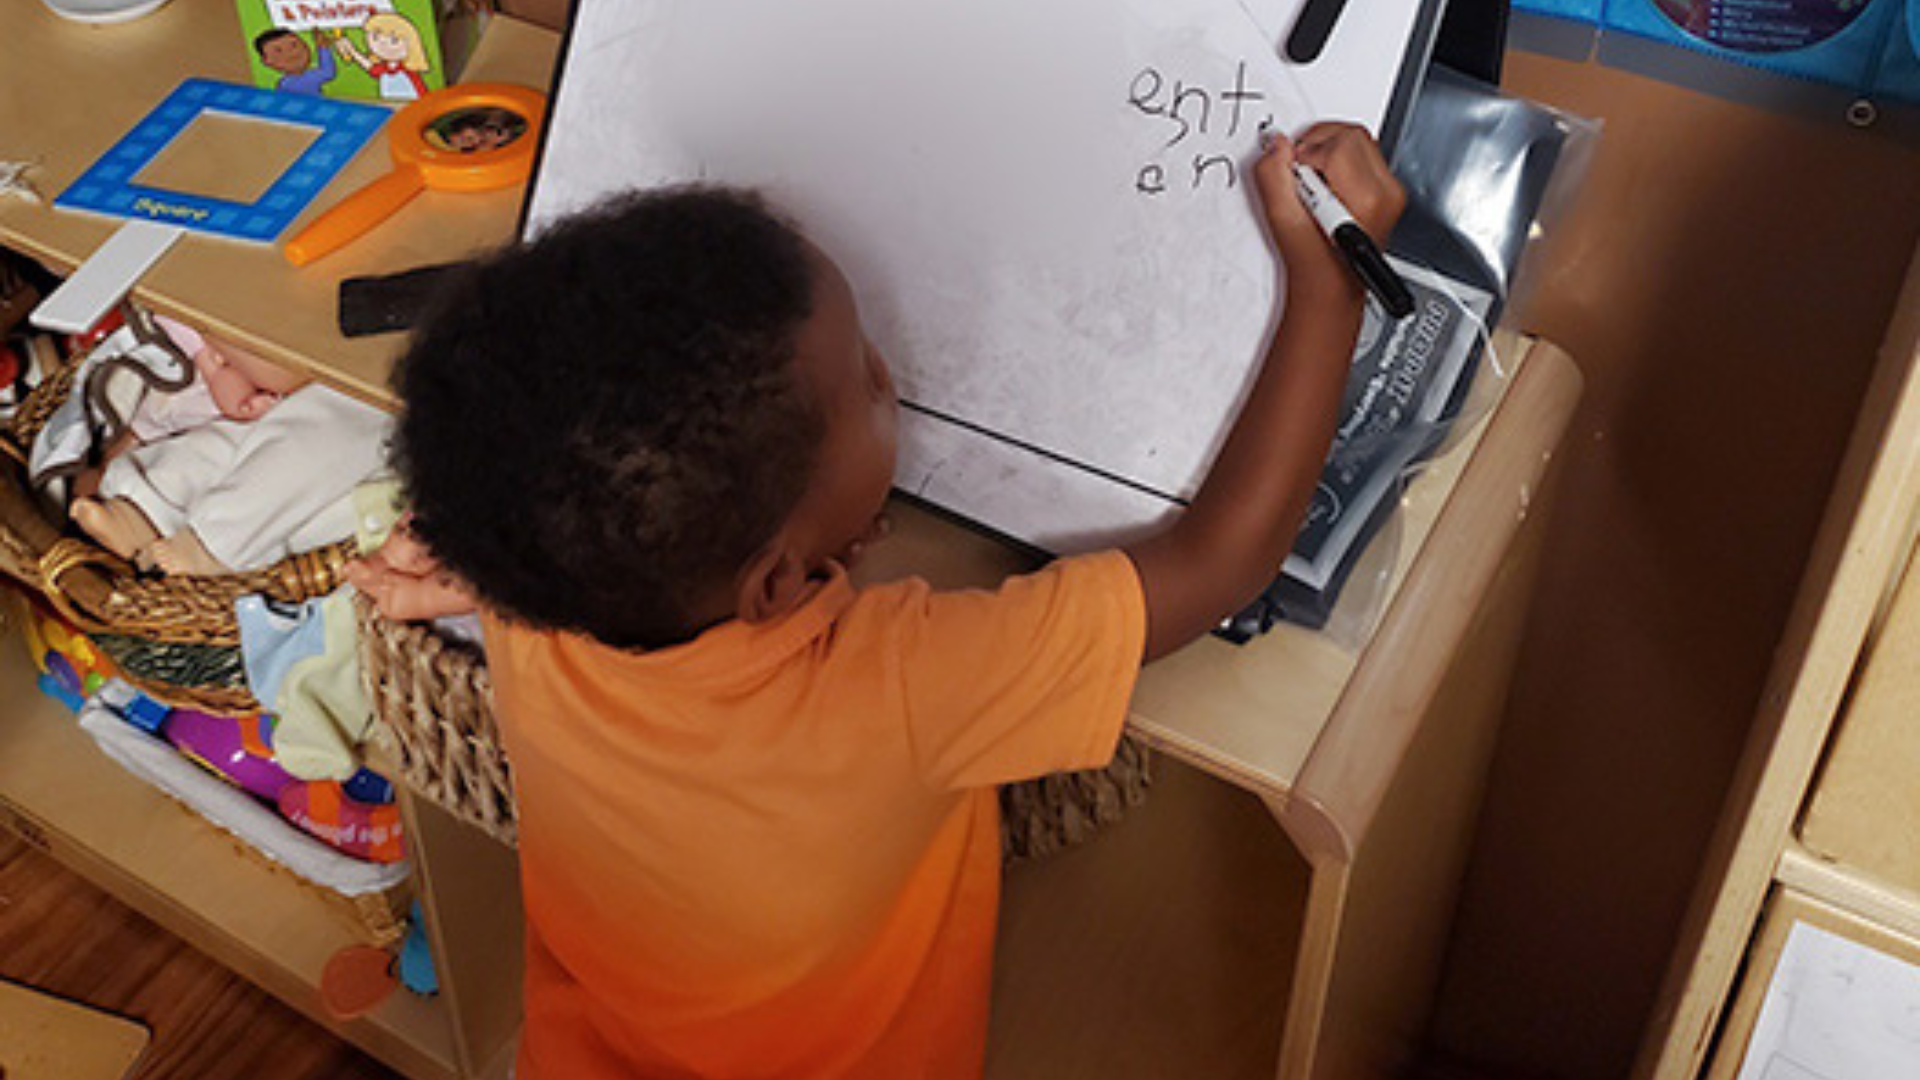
point(773, 583)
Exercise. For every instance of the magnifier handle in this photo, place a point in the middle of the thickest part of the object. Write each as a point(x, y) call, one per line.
point(354, 215)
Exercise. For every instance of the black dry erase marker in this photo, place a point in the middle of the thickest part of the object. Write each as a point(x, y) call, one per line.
point(1368, 264)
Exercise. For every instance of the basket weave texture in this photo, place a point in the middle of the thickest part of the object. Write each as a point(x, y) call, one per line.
point(435, 700)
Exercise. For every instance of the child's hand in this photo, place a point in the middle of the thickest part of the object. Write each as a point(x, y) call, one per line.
point(406, 582)
point(1243, 520)
point(1347, 156)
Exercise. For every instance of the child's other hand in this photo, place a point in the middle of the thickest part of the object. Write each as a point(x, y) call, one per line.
point(1350, 160)
point(406, 582)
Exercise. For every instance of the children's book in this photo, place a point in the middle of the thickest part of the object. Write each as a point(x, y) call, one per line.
point(374, 50)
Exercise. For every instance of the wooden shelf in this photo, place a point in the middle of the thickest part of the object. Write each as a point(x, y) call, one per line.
point(1162, 947)
point(1832, 728)
point(63, 795)
point(90, 85)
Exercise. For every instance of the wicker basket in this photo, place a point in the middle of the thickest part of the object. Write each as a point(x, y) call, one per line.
point(434, 698)
point(174, 637)
point(376, 918)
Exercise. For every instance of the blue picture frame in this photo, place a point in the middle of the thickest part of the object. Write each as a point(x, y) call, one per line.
point(108, 187)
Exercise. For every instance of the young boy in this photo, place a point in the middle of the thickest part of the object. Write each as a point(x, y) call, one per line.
point(759, 836)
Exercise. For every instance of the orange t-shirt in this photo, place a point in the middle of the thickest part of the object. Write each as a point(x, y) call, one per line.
point(774, 851)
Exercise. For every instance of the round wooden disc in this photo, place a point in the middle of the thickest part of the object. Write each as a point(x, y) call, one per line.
point(358, 978)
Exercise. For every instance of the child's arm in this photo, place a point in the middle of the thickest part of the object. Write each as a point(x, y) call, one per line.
point(1242, 522)
point(350, 52)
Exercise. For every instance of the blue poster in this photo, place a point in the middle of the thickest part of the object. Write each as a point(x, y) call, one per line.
point(1586, 11)
point(1868, 47)
point(1898, 74)
point(1832, 41)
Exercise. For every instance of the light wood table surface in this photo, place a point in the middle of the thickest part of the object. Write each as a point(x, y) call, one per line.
point(69, 92)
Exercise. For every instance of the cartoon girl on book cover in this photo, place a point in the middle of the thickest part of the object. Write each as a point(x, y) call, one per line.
point(398, 58)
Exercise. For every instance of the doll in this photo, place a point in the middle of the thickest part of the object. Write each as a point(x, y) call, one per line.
point(246, 465)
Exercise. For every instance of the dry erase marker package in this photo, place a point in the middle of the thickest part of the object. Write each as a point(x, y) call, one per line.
point(1488, 177)
point(371, 50)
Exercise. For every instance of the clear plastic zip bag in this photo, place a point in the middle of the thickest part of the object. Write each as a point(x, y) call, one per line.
point(1487, 177)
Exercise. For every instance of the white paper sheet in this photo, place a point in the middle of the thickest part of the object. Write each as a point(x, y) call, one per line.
point(1836, 1010)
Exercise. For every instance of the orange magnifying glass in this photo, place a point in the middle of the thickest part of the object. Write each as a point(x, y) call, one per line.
point(464, 138)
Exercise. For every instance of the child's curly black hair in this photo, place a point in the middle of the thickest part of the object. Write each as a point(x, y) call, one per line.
point(602, 426)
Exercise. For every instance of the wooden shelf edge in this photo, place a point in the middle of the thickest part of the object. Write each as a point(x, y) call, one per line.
point(1352, 764)
point(1850, 890)
point(1867, 520)
point(410, 1034)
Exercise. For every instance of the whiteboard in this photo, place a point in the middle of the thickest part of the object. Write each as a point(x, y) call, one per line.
point(1043, 205)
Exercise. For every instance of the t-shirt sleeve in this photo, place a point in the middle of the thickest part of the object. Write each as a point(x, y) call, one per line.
point(1029, 679)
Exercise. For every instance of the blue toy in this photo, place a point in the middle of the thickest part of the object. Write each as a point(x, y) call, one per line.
point(416, 957)
point(108, 187)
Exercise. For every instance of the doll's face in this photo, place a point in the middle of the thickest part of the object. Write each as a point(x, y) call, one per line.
point(244, 386)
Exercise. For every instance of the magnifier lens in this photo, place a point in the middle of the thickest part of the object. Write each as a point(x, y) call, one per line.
point(473, 130)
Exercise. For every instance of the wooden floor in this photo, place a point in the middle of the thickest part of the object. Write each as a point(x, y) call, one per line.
point(61, 935)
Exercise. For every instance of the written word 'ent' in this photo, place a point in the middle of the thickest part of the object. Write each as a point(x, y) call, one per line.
point(1189, 111)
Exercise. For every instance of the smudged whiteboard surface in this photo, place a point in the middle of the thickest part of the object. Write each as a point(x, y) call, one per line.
point(1044, 206)
point(1836, 1010)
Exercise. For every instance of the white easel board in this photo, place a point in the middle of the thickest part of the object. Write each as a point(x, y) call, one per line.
point(1043, 206)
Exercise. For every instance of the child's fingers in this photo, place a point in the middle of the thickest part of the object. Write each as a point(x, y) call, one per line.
point(1325, 133)
point(1273, 175)
point(1351, 161)
point(407, 553)
point(406, 598)
point(1341, 147)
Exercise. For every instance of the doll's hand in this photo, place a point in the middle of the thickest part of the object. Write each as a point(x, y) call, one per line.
point(407, 584)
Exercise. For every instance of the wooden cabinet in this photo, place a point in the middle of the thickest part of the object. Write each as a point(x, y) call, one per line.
point(1824, 811)
point(67, 92)
point(1864, 817)
point(1319, 803)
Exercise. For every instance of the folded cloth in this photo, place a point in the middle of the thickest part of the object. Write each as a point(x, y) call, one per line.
point(303, 665)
